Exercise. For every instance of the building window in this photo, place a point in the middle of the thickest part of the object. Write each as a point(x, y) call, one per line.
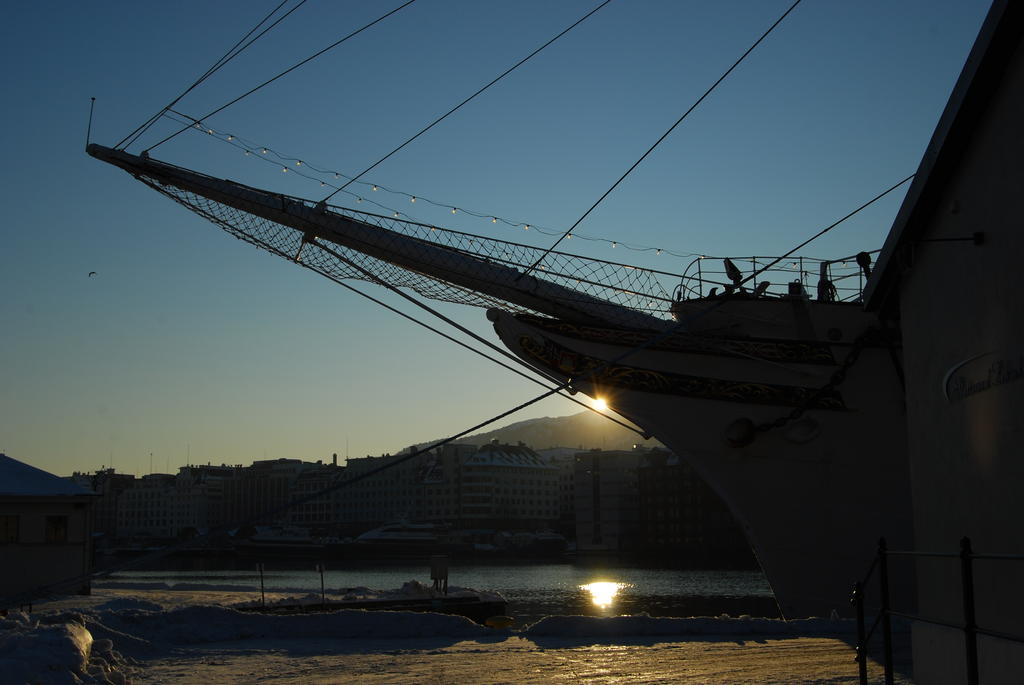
point(56, 529)
point(8, 528)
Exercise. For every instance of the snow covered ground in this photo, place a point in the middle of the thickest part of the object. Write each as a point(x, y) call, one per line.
point(186, 634)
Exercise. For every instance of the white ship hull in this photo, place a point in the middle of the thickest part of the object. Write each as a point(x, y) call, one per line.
point(813, 495)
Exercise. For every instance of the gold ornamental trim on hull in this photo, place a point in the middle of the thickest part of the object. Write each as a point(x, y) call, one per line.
point(789, 351)
point(566, 362)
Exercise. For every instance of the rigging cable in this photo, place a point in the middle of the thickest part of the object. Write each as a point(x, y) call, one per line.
point(288, 70)
point(825, 230)
point(250, 147)
point(373, 278)
point(458, 106)
point(664, 135)
point(416, 452)
point(653, 340)
point(267, 514)
point(235, 51)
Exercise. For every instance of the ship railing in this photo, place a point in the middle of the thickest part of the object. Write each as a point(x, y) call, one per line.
point(833, 280)
point(970, 628)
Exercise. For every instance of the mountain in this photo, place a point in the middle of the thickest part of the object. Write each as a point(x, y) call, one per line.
point(586, 430)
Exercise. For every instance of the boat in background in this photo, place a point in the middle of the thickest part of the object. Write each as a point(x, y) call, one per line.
point(406, 539)
point(542, 544)
point(281, 541)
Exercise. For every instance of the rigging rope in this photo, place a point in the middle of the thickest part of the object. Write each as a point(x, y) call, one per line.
point(825, 230)
point(430, 310)
point(288, 71)
point(250, 147)
point(227, 57)
point(666, 134)
point(458, 106)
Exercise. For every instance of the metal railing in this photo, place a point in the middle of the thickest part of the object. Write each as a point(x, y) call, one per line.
point(707, 276)
point(970, 628)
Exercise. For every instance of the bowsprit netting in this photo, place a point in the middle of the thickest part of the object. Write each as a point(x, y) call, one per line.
point(619, 285)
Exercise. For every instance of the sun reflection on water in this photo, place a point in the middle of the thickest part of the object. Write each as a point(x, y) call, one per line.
point(602, 593)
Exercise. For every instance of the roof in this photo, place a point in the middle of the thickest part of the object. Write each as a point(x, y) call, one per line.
point(981, 77)
point(494, 454)
point(18, 478)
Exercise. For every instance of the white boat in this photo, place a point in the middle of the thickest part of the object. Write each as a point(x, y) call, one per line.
point(281, 541)
point(790, 407)
point(404, 538)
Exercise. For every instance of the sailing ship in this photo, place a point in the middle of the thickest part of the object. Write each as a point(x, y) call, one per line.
point(790, 406)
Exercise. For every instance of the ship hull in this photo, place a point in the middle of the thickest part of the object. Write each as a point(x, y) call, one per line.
point(813, 494)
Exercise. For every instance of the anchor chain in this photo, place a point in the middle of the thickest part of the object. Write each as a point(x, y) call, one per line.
point(869, 335)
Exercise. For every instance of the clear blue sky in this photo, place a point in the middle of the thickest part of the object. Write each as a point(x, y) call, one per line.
point(188, 343)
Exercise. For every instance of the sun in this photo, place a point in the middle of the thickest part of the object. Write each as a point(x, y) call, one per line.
point(600, 404)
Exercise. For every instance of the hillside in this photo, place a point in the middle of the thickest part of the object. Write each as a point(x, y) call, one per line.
point(586, 430)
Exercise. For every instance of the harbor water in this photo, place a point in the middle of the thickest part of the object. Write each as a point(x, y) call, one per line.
point(533, 589)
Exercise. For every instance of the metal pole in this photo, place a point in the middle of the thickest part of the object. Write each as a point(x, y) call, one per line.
point(970, 625)
point(323, 596)
point(862, 643)
point(88, 132)
point(883, 581)
point(263, 595)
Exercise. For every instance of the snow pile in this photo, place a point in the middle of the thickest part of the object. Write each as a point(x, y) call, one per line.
point(85, 645)
point(644, 625)
point(129, 603)
point(203, 624)
point(177, 587)
point(64, 652)
point(411, 590)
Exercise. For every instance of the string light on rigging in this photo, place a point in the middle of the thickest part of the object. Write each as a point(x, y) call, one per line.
point(249, 148)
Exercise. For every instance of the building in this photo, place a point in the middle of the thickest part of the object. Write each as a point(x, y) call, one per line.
point(320, 514)
point(682, 517)
point(564, 459)
point(509, 486)
point(607, 501)
point(490, 486)
point(149, 509)
point(416, 488)
point(107, 486)
point(45, 533)
point(948, 277)
point(201, 493)
point(259, 494)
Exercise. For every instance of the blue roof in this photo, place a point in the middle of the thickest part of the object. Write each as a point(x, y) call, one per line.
point(18, 478)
